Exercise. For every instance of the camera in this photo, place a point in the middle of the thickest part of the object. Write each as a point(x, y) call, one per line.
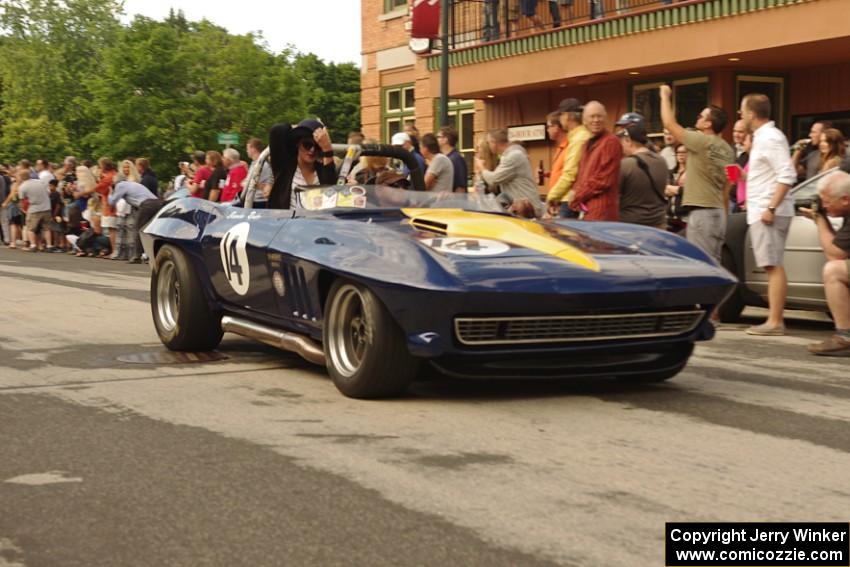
point(817, 206)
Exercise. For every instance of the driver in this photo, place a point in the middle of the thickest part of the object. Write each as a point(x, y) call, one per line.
point(301, 156)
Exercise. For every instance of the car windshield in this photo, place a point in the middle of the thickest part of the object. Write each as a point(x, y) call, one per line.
point(807, 190)
point(385, 197)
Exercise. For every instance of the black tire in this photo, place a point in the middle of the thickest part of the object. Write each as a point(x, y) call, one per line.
point(364, 347)
point(181, 314)
point(730, 310)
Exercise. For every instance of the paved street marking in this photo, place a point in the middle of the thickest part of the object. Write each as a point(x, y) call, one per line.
point(41, 479)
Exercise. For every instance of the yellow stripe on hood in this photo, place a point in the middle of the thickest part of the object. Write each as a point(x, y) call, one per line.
point(510, 230)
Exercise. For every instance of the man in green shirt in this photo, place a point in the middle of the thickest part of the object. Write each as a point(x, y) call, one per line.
point(706, 192)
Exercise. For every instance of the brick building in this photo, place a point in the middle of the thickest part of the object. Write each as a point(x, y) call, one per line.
point(510, 70)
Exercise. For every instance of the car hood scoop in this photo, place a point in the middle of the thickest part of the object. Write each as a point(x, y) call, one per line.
point(510, 230)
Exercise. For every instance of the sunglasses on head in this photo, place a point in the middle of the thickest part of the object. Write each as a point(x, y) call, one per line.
point(307, 144)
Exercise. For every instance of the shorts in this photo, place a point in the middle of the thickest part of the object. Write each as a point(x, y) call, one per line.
point(768, 241)
point(108, 221)
point(528, 7)
point(707, 229)
point(36, 222)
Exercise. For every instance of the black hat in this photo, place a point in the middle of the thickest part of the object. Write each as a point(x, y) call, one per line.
point(570, 105)
point(306, 127)
point(630, 118)
point(303, 129)
point(635, 131)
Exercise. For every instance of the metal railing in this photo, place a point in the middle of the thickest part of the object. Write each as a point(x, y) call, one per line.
point(480, 21)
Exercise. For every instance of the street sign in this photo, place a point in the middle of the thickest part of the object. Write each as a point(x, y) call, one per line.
point(228, 139)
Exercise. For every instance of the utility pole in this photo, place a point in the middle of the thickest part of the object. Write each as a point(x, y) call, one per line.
point(445, 6)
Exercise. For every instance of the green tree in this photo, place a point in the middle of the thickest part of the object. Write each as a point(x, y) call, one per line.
point(169, 87)
point(34, 138)
point(333, 93)
point(50, 52)
point(155, 89)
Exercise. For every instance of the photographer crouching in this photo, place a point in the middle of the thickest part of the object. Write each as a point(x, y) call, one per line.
point(834, 201)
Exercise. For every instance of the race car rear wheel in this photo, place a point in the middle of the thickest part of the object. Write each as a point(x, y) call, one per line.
point(181, 315)
point(364, 347)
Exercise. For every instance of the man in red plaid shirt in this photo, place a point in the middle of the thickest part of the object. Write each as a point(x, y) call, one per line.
point(597, 184)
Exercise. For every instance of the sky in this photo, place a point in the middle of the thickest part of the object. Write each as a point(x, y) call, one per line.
point(328, 28)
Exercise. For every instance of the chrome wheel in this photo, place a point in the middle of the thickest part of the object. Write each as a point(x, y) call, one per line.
point(167, 296)
point(350, 332)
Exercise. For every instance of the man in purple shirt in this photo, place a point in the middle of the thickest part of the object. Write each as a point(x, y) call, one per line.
point(447, 138)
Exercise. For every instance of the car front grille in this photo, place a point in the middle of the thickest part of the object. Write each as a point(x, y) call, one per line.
point(475, 331)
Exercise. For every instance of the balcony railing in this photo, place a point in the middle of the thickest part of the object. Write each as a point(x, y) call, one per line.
point(480, 21)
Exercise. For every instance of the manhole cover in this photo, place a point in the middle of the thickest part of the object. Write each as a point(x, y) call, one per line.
point(169, 357)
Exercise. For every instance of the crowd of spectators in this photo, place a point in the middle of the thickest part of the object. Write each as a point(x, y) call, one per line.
point(535, 15)
point(76, 208)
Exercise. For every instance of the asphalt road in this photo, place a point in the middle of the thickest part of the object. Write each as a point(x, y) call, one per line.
point(257, 460)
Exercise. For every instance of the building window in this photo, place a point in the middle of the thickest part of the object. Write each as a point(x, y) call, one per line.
point(801, 124)
point(393, 5)
point(399, 108)
point(771, 86)
point(690, 97)
point(646, 101)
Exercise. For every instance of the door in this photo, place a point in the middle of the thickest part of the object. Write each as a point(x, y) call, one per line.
point(236, 252)
point(804, 258)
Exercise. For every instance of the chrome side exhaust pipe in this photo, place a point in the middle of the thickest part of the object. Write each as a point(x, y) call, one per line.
point(299, 344)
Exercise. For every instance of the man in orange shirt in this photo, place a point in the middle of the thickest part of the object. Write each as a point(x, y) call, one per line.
point(558, 136)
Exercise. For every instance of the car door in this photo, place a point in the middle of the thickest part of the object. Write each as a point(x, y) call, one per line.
point(235, 248)
point(804, 258)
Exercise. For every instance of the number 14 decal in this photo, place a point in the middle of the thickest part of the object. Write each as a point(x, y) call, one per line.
point(234, 257)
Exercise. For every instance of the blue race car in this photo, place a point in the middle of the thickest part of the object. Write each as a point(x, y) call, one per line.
point(374, 281)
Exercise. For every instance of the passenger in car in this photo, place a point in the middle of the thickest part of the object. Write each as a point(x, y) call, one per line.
point(300, 156)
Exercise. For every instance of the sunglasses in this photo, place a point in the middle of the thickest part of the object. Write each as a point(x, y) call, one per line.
point(307, 145)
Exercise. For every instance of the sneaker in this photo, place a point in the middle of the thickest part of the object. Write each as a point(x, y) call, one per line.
point(833, 346)
point(30, 249)
point(764, 330)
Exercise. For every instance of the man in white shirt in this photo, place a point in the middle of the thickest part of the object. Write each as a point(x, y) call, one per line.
point(42, 167)
point(770, 208)
point(37, 193)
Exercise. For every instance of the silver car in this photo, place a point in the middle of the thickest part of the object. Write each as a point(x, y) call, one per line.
point(804, 260)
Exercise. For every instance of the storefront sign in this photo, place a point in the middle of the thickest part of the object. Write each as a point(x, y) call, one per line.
point(426, 19)
point(529, 133)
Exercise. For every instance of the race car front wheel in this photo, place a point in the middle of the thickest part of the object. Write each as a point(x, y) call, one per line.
point(364, 347)
point(181, 315)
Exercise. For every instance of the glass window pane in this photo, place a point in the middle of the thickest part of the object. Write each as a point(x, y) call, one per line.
point(409, 98)
point(771, 89)
point(394, 100)
point(467, 131)
point(690, 101)
point(393, 127)
point(647, 102)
